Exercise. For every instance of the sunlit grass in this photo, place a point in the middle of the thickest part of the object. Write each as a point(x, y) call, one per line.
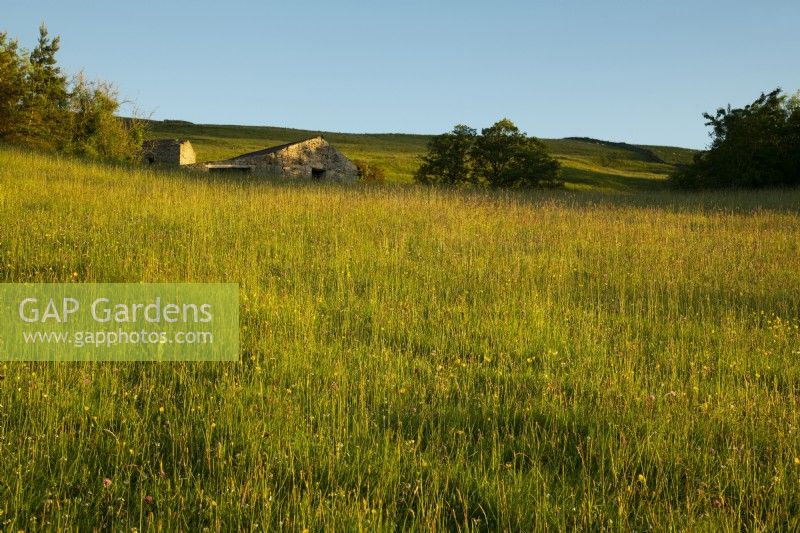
point(413, 358)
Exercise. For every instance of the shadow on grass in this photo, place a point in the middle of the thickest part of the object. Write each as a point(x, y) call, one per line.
point(736, 201)
point(609, 181)
point(739, 201)
point(582, 188)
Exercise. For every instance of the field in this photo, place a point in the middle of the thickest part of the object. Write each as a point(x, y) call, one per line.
point(412, 358)
point(588, 164)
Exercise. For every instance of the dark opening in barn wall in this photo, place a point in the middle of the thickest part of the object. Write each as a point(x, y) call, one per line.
point(230, 169)
point(317, 173)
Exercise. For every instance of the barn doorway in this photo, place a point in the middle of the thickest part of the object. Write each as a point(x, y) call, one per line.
point(317, 173)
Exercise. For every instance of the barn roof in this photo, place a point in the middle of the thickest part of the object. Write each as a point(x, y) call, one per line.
point(273, 149)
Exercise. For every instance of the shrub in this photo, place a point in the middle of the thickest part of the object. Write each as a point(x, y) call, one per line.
point(369, 172)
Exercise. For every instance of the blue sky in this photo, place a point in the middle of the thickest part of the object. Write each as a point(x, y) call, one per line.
point(637, 71)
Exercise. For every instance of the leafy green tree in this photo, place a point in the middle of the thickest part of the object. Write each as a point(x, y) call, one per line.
point(12, 87)
point(501, 156)
point(531, 166)
point(505, 157)
point(495, 151)
point(792, 139)
point(39, 108)
point(95, 130)
point(793, 102)
point(754, 146)
point(448, 158)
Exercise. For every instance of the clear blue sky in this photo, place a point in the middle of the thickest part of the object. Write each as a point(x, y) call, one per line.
point(637, 71)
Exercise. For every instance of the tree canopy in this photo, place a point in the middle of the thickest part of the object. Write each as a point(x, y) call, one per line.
point(39, 107)
point(448, 160)
point(754, 146)
point(501, 156)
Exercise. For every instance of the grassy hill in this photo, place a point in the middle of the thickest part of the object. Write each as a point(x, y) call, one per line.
point(412, 358)
point(588, 163)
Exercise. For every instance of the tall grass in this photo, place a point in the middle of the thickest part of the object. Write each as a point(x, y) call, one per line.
point(413, 358)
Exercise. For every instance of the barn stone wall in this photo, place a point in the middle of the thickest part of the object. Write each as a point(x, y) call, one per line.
point(168, 152)
point(314, 158)
point(187, 155)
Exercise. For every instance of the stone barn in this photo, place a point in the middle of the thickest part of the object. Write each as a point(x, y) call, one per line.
point(313, 159)
point(173, 152)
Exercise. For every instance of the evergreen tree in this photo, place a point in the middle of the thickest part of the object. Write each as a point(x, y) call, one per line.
point(45, 102)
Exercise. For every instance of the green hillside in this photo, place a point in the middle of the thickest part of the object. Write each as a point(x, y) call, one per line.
point(588, 163)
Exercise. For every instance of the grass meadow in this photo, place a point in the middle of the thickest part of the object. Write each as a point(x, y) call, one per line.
point(413, 358)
